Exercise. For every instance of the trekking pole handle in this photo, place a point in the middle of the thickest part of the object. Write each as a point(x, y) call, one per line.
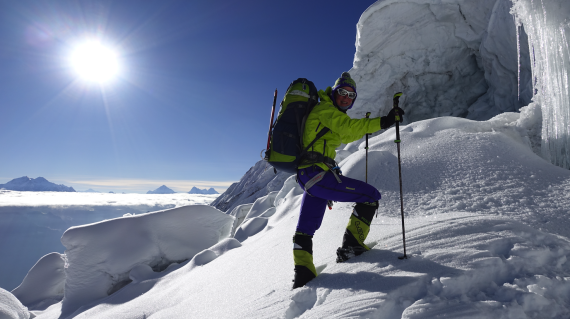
point(367, 116)
point(396, 101)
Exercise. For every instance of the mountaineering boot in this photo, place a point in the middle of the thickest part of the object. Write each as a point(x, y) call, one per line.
point(302, 276)
point(303, 256)
point(356, 231)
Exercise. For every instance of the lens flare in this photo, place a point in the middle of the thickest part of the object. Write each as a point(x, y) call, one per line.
point(95, 62)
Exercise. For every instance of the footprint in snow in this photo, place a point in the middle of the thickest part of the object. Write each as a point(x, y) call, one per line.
point(304, 299)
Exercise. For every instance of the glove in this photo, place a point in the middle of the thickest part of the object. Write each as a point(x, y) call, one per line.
point(390, 119)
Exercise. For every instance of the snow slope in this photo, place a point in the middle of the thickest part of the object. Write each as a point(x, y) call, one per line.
point(487, 236)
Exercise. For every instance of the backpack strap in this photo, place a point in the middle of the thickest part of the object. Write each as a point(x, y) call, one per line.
point(319, 135)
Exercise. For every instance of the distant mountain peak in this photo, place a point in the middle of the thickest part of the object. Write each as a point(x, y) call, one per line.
point(40, 184)
point(162, 190)
point(204, 191)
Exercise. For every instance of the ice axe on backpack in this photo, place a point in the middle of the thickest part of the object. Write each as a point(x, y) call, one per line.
point(271, 122)
point(396, 101)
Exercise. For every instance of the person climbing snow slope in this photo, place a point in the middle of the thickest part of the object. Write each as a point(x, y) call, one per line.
point(319, 175)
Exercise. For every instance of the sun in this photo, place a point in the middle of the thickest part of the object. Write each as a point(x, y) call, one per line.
point(95, 62)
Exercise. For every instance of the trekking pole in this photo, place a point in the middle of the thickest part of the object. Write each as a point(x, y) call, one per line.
point(397, 141)
point(367, 115)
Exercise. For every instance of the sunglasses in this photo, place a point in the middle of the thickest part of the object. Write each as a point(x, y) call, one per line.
point(343, 92)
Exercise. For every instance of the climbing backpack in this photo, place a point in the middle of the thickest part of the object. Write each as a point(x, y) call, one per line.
point(285, 144)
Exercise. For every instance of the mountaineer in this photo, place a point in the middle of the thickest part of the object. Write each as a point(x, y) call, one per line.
point(319, 175)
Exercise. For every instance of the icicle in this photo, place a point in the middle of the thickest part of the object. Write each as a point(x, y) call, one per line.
point(546, 24)
point(517, 26)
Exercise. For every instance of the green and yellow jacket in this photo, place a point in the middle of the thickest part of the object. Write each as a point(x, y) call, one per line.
point(343, 129)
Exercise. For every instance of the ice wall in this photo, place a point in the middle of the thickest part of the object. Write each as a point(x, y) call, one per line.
point(450, 58)
point(547, 23)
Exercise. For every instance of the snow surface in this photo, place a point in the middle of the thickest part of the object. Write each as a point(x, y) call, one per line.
point(33, 222)
point(44, 284)
point(11, 307)
point(486, 231)
point(258, 181)
point(100, 256)
point(255, 217)
point(239, 213)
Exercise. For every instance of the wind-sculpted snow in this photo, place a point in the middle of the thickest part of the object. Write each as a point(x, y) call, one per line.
point(11, 308)
point(450, 58)
point(101, 255)
point(43, 285)
point(261, 205)
point(256, 217)
point(257, 182)
point(239, 213)
point(250, 227)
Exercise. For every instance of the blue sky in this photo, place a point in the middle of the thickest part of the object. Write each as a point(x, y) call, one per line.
point(191, 104)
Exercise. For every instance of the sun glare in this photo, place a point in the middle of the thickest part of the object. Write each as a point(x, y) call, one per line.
point(95, 62)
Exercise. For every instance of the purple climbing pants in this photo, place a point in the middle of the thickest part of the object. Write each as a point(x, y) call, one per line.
point(313, 207)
